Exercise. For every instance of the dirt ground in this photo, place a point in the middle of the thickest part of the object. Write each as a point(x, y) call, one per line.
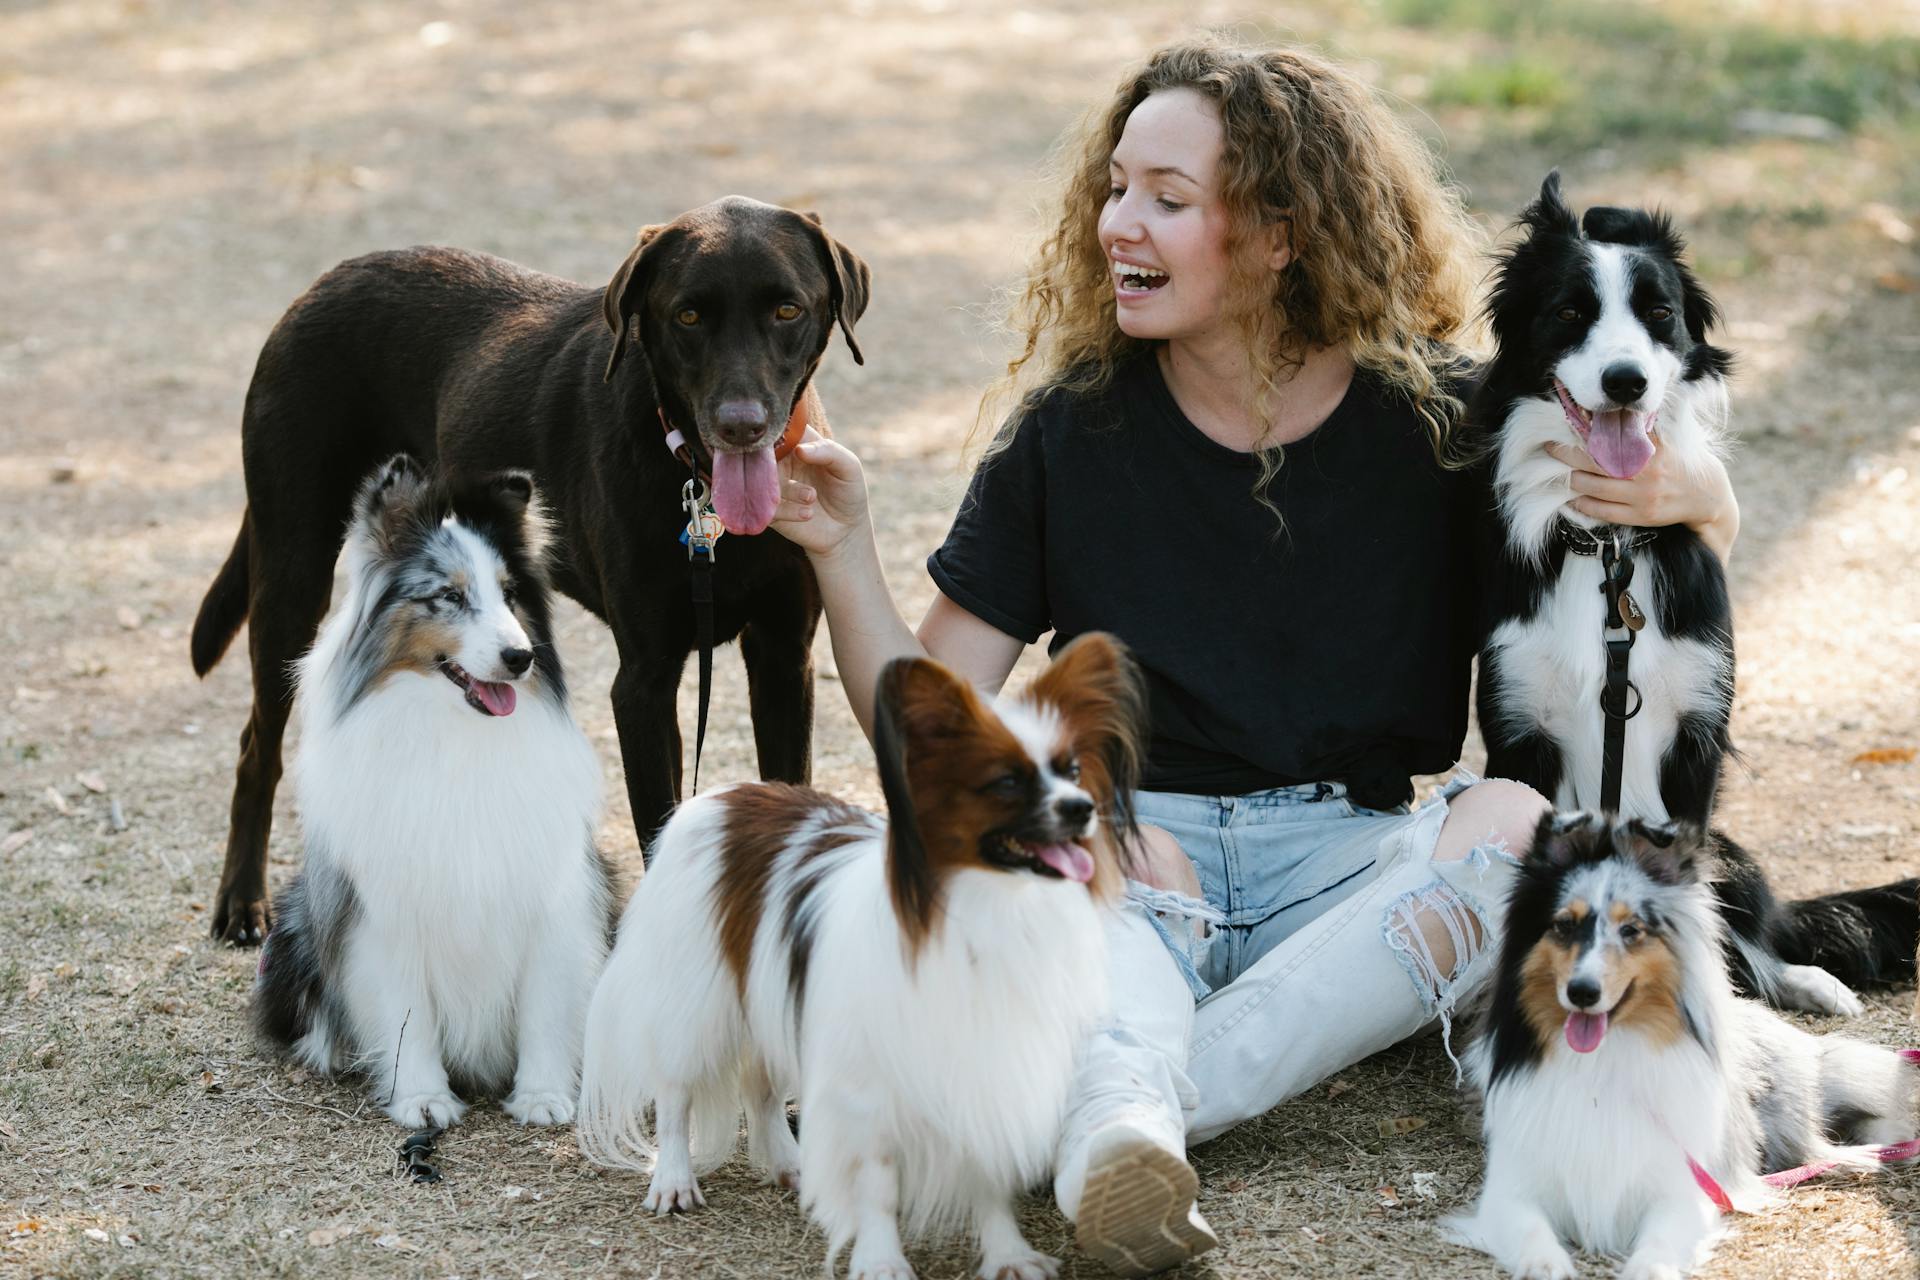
point(176, 173)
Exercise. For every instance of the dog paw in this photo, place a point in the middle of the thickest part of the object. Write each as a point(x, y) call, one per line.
point(786, 1177)
point(539, 1106)
point(240, 918)
point(890, 1268)
point(428, 1109)
point(1812, 989)
point(1557, 1265)
point(1645, 1269)
point(1031, 1265)
point(667, 1194)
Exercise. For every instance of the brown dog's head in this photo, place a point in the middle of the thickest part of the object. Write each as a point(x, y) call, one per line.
point(734, 303)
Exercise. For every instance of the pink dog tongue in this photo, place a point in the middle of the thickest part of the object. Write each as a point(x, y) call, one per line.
point(1619, 442)
point(1585, 1030)
point(1070, 860)
point(746, 489)
point(498, 698)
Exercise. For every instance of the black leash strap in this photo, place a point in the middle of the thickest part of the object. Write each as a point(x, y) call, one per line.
point(1619, 626)
point(700, 564)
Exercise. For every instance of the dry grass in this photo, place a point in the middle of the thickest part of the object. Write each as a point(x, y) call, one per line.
point(175, 174)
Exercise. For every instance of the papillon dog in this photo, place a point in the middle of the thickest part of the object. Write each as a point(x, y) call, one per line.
point(1629, 1094)
point(1603, 341)
point(452, 913)
point(919, 984)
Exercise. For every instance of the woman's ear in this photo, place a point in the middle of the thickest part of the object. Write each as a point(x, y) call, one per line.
point(1280, 242)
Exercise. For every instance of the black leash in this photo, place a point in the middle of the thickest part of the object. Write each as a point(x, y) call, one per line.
point(1619, 625)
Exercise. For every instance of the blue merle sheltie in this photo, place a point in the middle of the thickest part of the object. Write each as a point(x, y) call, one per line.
point(1601, 332)
point(1630, 1096)
point(453, 912)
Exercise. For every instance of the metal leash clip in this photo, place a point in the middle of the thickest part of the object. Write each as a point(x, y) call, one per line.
point(703, 526)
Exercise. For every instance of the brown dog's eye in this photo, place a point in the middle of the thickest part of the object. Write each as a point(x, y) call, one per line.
point(688, 317)
point(786, 311)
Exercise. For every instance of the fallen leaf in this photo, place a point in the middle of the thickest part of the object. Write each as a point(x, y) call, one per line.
point(1389, 1198)
point(1886, 755)
point(209, 1083)
point(128, 618)
point(1338, 1087)
point(16, 841)
point(26, 1227)
point(327, 1237)
point(1898, 282)
point(128, 1240)
point(58, 801)
point(391, 1241)
point(36, 985)
point(150, 1186)
point(1315, 1236)
point(65, 971)
point(96, 1235)
point(92, 782)
point(1423, 1186)
point(1397, 1125)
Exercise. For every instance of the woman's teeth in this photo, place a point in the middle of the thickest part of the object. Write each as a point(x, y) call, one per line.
point(1138, 277)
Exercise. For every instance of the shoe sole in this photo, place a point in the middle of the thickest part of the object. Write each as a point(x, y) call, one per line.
point(1137, 1211)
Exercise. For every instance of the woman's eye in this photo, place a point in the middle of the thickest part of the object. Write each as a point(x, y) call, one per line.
point(1660, 313)
point(786, 311)
point(687, 316)
point(1114, 193)
point(1171, 206)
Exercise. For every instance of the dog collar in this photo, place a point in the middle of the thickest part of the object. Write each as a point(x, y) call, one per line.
point(682, 448)
point(1583, 542)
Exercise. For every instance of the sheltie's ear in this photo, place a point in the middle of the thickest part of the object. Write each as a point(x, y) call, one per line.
point(918, 706)
point(1671, 852)
point(1095, 687)
point(386, 500)
point(1563, 839)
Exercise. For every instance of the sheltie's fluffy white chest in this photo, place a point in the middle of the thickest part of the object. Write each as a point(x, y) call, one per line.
point(1553, 668)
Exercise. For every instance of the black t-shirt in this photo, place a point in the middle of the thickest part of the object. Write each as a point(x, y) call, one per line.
point(1335, 649)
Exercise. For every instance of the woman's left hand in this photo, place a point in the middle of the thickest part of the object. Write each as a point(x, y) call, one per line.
point(1661, 494)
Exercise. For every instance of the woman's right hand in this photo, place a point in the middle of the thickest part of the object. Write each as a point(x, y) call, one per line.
point(823, 496)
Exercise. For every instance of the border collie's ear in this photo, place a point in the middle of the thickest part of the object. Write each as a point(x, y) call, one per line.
point(1550, 213)
point(848, 279)
point(623, 294)
point(915, 704)
point(1669, 851)
point(1095, 685)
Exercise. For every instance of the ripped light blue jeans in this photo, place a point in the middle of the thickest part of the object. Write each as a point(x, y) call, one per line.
point(1306, 956)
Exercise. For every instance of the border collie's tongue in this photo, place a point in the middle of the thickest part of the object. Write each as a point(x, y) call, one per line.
point(746, 489)
point(495, 699)
point(1619, 442)
point(1585, 1031)
point(1070, 860)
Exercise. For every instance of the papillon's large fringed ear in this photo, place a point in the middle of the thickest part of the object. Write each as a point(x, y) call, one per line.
point(1671, 852)
point(625, 291)
point(917, 705)
point(847, 278)
point(387, 498)
point(1095, 686)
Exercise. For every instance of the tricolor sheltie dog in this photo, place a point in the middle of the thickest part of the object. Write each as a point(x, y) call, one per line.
point(919, 984)
point(1601, 334)
point(1622, 1077)
point(452, 913)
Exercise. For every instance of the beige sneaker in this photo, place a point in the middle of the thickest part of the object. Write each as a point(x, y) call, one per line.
point(1136, 1211)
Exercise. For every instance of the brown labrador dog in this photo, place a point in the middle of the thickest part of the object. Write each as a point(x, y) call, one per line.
point(713, 326)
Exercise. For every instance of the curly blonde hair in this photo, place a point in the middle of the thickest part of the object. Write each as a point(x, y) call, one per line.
point(1383, 248)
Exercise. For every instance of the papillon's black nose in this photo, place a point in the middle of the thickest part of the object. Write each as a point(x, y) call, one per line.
point(516, 660)
point(1623, 383)
point(739, 422)
point(1074, 810)
point(1584, 993)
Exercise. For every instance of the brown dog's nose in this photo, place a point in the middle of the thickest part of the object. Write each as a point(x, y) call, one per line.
point(740, 421)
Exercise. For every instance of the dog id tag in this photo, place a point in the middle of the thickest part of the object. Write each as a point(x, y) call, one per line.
point(1630, 616)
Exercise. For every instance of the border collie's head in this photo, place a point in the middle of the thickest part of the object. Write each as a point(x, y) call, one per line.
point(1610, 927)
point(1025, 786)
point(1603, 315)
point(448, 578)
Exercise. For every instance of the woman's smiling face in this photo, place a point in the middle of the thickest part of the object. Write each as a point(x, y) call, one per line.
point(1164, 213)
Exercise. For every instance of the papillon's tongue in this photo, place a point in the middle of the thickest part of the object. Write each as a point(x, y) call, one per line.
point(1585, 1031)
point(746, 489)
point(497, 698)
point(1619, 442)
point(1070, 860)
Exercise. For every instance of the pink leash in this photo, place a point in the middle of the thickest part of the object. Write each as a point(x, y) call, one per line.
point(1890, 1154)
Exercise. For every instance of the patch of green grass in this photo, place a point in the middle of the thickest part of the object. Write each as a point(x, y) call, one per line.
point(1519, 82)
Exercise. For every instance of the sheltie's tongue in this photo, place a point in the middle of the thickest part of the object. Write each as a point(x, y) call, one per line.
point(1070, 860)
point(746, 489)
point(495, 699)
point(1585, 1031)
point(1619, 441)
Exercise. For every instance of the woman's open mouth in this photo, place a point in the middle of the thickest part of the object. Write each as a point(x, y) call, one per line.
point(1132, 278)
point(488, 698)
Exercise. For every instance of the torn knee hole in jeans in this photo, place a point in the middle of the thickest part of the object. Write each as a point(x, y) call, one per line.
point(1186, 925)
point(1437, 934)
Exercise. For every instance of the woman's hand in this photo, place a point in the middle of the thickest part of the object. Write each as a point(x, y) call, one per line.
point(823, 496)
point(1661, 494)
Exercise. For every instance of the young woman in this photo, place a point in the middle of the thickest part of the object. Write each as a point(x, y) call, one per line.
point(1236, 454)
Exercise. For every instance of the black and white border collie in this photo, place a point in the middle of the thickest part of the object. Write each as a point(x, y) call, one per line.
point(1601, 333)
point(452, 913)
point(1630, 1096)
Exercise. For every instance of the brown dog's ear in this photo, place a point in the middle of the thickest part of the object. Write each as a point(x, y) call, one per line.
point(848, 277)
point(622, 297)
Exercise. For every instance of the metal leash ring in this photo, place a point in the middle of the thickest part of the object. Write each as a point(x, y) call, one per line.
point(1638, 702)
